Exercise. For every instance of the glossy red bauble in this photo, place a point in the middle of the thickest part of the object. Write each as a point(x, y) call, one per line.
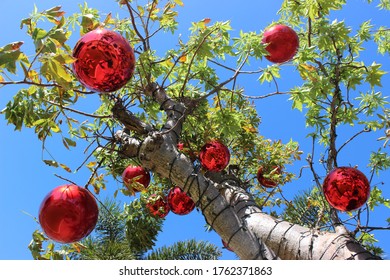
point(264, 180)
point(179, 202)
point(180, 146)
point(214, 156)
point(68, 213)
point(225, 245)
point(158, 205)
point(346, 188)
point(283, 43)
point(105, 60)
point(136, 174)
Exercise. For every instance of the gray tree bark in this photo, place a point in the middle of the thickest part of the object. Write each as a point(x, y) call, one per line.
point(226, 206)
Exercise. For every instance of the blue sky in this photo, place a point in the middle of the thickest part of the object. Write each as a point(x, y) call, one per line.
point(25, 179)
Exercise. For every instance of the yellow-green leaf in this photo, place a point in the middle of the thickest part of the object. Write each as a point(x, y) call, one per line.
point(66, 168)
point(179, 2)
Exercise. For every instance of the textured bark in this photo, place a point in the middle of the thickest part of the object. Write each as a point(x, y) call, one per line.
point(226, 206)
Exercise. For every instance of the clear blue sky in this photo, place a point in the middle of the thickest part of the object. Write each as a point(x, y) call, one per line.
point(25, 180)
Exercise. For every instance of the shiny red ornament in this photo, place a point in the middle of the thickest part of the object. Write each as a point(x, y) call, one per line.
point(179, 202)
point(214, 156)
point(225, 245)
point(283, 43)
point(180, 146)
point(267, 182)
point(68, 213)
point(105, 60)
point(158, 205)
point(346, 188)
point(135, 174)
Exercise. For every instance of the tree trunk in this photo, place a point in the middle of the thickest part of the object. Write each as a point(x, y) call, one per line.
point(226, 206)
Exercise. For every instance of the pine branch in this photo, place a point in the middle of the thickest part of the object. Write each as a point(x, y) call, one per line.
point(186, 250)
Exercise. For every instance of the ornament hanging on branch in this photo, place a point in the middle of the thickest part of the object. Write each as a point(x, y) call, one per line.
point(263, 176)
point(346, 188)
point(105, 60)
point(214, 156)
point(68, 213)
point(158, 205)
point(179, 202)
point(282, 43)
point(136, 178)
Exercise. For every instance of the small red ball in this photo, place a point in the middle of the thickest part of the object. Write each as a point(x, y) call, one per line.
point(214, 156)
point(225, 245)
point(158, 205)
point(135, 174)
point(283, 43)
point(346, 188)
point(105, 60)
point(68, 213)
point(180, 146)
point(179, 202)
point(267, 182)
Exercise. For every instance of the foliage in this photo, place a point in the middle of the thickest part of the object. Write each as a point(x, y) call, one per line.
point(339, 90)
point(186, 250)
point(308, 209)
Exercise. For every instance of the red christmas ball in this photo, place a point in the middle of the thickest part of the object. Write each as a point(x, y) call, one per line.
point(214, 156)
point(180, 146)
point(179, 202)
point(267, 182)
point(105, 60)
point(283, 43)
point(68, 213)
point(158, 205)
point(225, 245)
point(135, 174)
point(346, 188)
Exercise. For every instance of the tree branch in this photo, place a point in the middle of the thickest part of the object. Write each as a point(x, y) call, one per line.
point(129, 120)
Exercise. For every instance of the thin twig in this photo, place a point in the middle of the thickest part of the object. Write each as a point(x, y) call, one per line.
point(77, 111)
point(132, 17)
point(353, 137)
point(24, 82)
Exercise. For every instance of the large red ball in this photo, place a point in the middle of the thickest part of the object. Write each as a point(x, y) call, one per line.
point(105, 60)
point(346, 188)
point(158, 205)
point(214, 156)
point(68, 213)
point(135, 174)
point(179, 202)
point(283, 43)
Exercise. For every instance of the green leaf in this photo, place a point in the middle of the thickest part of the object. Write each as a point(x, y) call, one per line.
point(66, 168)
point(384, 5)
point(39, 122)
point(54, 70)
point(39, 34)
point(52, 163)
point(59, 37)
point(9, 59)
point(70, 142)
point(374, 75)
point(55, 12)
point(365, 30)
point(179, 2)
point(15, 46)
